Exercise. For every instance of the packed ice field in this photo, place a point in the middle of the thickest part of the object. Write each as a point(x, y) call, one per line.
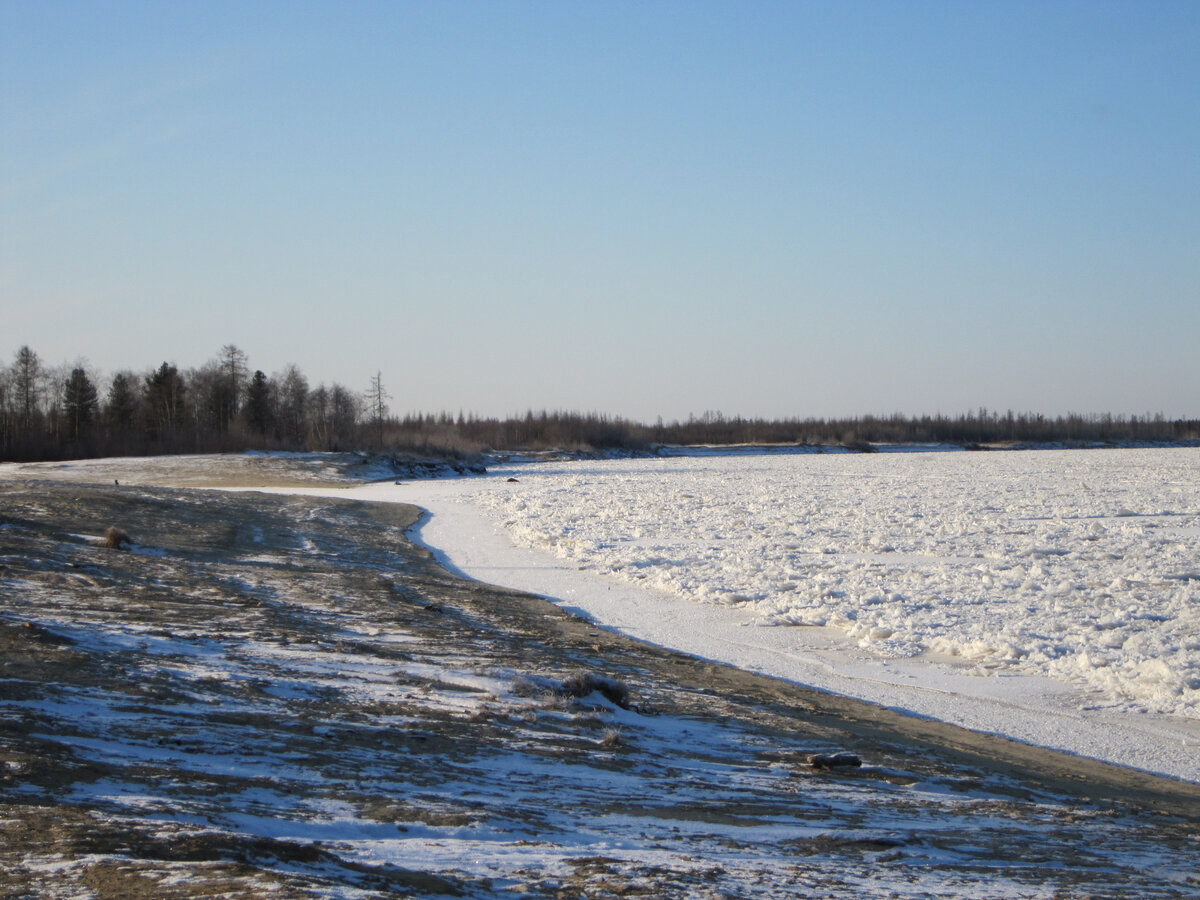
point(1080, 566)
point(1051, 596)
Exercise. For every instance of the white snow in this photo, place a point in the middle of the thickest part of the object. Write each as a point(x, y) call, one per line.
point(1050, 596)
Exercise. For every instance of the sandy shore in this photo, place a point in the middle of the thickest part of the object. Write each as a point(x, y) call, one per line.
point(285, 696)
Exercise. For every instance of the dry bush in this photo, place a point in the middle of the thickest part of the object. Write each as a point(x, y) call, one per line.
point(581, 684)
point(116, 539)
point(480, 714)
point(552, 701)
point(528, 686)
point(544, 692)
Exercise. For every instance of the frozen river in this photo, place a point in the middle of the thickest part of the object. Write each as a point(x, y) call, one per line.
point(1081, 566)
point(1052, 596)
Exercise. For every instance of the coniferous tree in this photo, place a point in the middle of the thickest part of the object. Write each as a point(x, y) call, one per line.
point(164, 399)
point(343, 417)
point(259, 419)
point(80, 402)
point(121, 409)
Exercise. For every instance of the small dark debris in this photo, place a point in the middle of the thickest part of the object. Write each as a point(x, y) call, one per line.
point(827, 761)
point(513, 481)
point(41, 635)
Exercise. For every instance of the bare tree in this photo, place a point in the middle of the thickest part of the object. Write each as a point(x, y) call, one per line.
point(234, 365)
point(318, 417)
point(26, 381)
point(217, 389)
point(6, 416)
point(292, 406)
point(377, 399)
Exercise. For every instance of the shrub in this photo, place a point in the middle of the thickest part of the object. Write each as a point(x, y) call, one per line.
point(116, 539)
point(582, 684)
point(532, 686)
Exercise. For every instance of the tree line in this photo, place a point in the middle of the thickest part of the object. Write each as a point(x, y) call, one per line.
point(978, 429)
point(70, 412)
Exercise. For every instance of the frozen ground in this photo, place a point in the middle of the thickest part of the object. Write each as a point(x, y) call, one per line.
point(281, 697)
point(1051, 596)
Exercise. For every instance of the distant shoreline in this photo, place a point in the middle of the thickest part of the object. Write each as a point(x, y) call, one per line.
point(493, 457)
point(364, 465)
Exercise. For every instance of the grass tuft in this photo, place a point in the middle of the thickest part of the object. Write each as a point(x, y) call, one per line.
point(529, 686)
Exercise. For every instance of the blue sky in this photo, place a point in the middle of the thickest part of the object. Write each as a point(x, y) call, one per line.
point(642, 209)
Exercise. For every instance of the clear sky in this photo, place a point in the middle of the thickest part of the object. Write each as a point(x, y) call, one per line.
point(642, 209)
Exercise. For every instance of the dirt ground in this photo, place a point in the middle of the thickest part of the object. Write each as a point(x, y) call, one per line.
point(266, 696)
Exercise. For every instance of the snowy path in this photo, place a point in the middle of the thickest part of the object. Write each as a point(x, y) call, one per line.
point(1033, 709)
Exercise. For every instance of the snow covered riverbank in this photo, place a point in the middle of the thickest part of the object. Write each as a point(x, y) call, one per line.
point(1046, 596)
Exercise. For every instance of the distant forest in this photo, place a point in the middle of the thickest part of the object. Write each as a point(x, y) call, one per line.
point(71, 412)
